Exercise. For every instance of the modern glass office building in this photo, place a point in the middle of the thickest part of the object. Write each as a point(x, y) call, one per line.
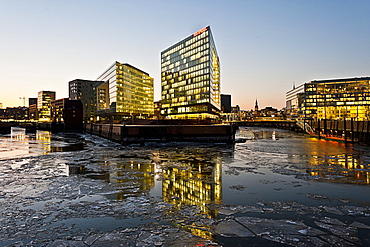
point(43, 105)
point(127, 91)
point(337, 99)
point(191, 78)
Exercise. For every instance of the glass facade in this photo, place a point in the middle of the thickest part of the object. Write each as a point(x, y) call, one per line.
point(337, 99)
point(43, 105)
point(126, 91)
point(190, 77)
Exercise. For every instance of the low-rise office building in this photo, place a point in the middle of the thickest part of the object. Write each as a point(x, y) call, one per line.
point(67, 112)
point(126, 92)
point(335, 99)
point(15, 113)
point(294, 99)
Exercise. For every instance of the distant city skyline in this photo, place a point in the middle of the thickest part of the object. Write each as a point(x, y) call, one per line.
point(264, 46)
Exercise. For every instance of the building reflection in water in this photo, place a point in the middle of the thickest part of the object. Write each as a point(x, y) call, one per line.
point(17, 133)
point(196, 184)
point(190, 178)
point(324, 160)
point(345, 166)
point(341, 168)
point(133, 178)
point(44, 137)
point(193, 181)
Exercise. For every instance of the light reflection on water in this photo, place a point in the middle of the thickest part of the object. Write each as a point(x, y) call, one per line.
point(194, 174)
point(323, 160)
point(266, 165)
point(271, 165)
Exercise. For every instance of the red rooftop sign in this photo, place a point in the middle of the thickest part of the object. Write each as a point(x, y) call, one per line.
point(200, 31)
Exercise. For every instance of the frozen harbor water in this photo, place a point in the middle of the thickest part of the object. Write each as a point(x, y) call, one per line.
point(272, 188)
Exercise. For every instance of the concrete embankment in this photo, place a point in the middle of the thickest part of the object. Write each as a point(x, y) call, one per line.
point(5, 127)
point(163, 133)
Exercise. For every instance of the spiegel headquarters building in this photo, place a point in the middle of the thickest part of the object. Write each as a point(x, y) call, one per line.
point(191, 78)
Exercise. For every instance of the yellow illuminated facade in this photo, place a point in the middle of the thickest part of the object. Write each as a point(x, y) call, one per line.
point(45, 138)
point(190, 76)
point(126, 91)
point(44, 99)
point(198, 186)
point(337, 99)
point(142, 177)
point(336, 168)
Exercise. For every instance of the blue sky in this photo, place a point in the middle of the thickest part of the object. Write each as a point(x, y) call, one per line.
point(264, 46)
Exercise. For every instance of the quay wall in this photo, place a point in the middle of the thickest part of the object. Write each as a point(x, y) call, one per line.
point(350, 131)
point(280, 124)
point(347, 131)
point(163, 133)
point(5, 127)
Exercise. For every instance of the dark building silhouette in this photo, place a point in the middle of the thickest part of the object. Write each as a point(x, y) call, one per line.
point(32, 105)
point(226, 103)
point(86, 91)
point(157, 109)
point(32, 101)
point(67, 112)
point(256, 112)
point(15, 113)
point(269, 112)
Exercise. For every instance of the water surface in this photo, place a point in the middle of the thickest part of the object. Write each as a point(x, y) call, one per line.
point(61, 185)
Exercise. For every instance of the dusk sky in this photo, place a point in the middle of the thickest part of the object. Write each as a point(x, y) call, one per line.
point(264, 46)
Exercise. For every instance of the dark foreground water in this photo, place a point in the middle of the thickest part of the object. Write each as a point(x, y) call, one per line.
point(272, 188)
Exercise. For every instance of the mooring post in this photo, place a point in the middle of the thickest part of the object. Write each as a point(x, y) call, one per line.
point(362, 131)
point(345, 130)
point(352, 131)
point(110, 131)
point(367, 132)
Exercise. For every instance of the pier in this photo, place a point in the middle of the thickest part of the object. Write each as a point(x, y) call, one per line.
point(163, 133)
point(347, 131)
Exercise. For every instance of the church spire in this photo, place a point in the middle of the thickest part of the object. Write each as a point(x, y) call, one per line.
point(256, 105)
point(256, 112)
